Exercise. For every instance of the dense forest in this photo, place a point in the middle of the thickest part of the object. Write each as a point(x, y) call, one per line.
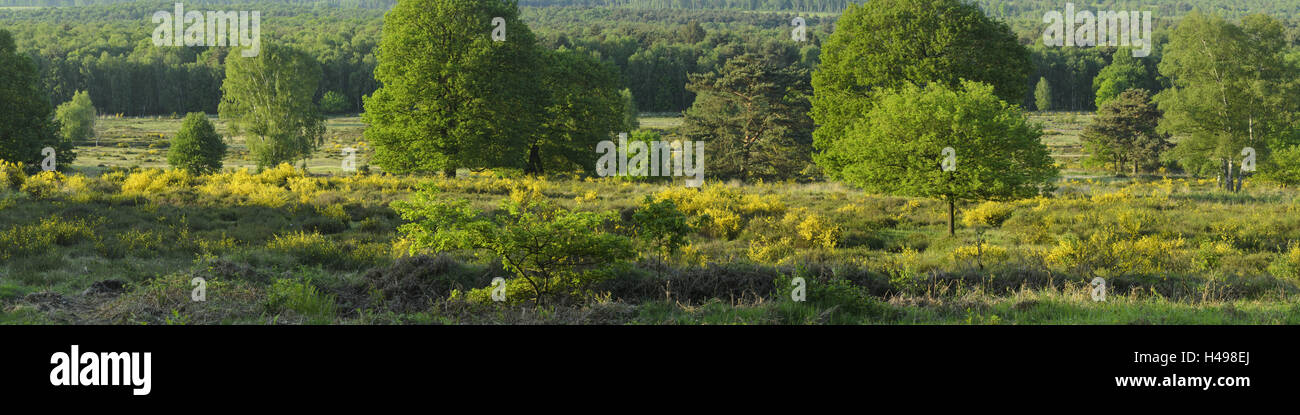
point(996, 8)
point(655, 44)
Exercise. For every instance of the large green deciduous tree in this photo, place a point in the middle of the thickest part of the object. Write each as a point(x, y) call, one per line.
point(1124, 133)
point(26, 118)
point(269, 99)
point(753, 115)
point(1232, 88)
point(451, 96)
point(898, 148)
point(583, 107)
point(886, 43)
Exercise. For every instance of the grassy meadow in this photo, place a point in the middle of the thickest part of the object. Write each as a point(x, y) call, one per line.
point(117, 240)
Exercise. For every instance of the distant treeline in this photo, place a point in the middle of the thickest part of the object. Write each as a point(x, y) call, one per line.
point(995, 8)
point(108, 51)
point(106, 48)
point(363, 4)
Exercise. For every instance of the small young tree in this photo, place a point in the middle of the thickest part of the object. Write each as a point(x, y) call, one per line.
point(197, 147)
point(630, 115)
point(1043, 95)
point(77, 118)
point(550, 248)
point(661, 225)
point(900, 147)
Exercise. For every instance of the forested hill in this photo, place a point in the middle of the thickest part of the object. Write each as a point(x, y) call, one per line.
point(1000, 8)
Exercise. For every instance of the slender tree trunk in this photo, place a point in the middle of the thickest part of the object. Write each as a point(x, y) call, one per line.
point(1223, 173)
point(1231, 186)
point(952, 212)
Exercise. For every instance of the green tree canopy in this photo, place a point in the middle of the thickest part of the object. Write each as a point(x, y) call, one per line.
point(584, 106)
point(26, 118)
point(631, 119)
point(1124, 133)
point(1232, 88)
point(1043, 95)
point(76, 118)
point(451, 96)
point(753, 115)
point(1123, 73)
point(333, 103)
point(268, 98)
point(884, 44)
point(197, 147)
point(898, 147)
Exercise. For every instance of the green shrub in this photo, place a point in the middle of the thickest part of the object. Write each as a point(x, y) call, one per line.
point(196, 148)
point(308, 248)
point(303, 298)
point(551, 248)
point(333, 103)
point(661, 225)
point(11, 175)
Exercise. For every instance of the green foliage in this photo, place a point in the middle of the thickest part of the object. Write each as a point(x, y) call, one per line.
point(1285, 168)
point(333, 103)
point(753, 116)
point(303, 298)
point(76, 117)
point(196, 148)
point(991, 214)
point(308, 248)
point(269, 99)
point(451, 96)
point(26, 118)
point(661, 225)
point(886, 44)
point(1123, 73)
point(554, 250)
point(1124, 133)
point(33, 239)
point(897, 149)
point(1043, 95)
point(584, 107)
point(630, 121)
point(1232, 87)
point(12, 175)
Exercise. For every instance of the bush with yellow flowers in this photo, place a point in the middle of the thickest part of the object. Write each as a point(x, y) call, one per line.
point(11, 175)
point(43, 185)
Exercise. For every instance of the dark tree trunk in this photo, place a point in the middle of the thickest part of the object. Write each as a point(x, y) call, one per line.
point(952, 212)
point(534, 167)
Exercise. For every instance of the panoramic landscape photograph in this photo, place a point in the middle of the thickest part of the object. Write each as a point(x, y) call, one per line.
point(649, 162)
